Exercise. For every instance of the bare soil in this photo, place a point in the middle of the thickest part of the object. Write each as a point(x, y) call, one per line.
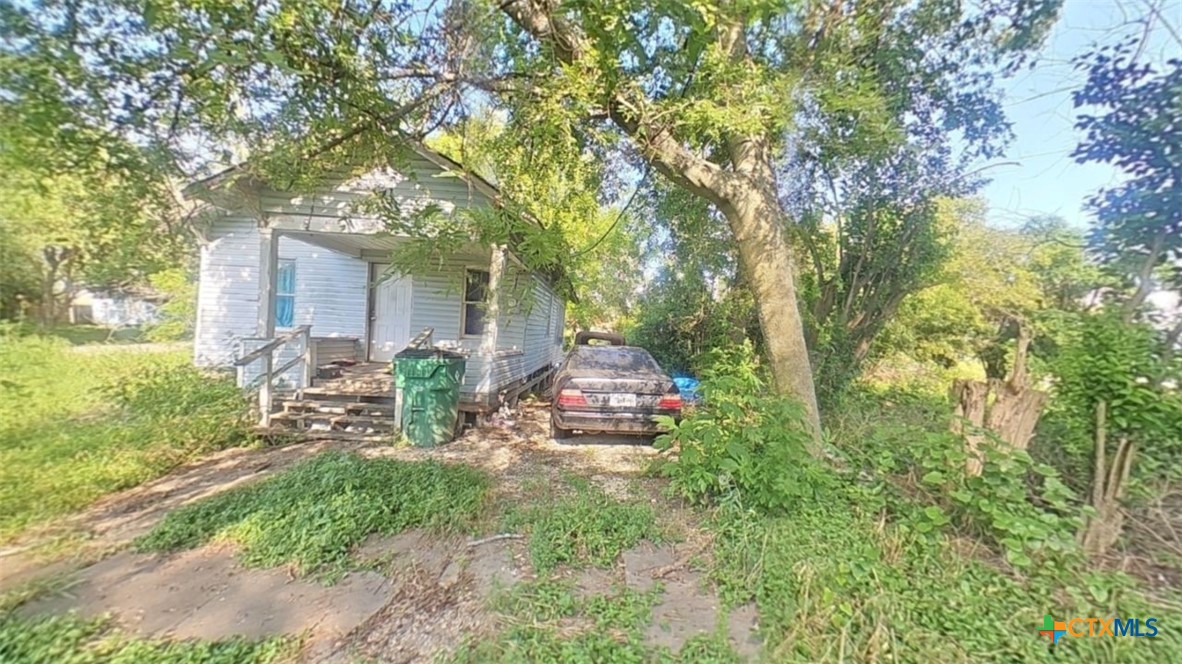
point(421, 595)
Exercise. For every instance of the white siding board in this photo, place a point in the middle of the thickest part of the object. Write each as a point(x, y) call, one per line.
point(528, 327)
point(437, 302)
point(330, 290)
point(340, 194)
point(228, 291)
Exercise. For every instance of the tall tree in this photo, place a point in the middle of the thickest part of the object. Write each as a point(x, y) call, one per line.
point(1132, 118)
point(710, 95)
point(714, 95)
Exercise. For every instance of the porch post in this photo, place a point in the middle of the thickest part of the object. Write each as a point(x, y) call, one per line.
point(496, 269)
point(488, 343)
point(268, 280)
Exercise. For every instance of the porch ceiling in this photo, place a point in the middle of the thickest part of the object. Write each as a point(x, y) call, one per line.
point(353, 244)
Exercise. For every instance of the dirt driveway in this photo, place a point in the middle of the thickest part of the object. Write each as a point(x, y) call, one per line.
point(424, 595)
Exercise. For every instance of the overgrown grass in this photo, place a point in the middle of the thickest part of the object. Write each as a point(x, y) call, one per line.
point(893, 553)
point(581, 527)
point(834, 581)
point(312, 515)
point(70, 640)
point(75, 426)
point(548, 621)
point(574, 524)
point(887, 560)
point(79, 335)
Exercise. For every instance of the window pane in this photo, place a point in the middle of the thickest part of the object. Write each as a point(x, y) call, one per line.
point(284, 310)
point(285, 280)
point(473, 319)
point(476, 287)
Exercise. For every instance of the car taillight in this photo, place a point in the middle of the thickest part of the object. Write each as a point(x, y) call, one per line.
point(670, 402)
point(571, 398)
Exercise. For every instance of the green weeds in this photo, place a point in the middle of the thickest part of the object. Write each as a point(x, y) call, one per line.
point(835, 581)
point(70, 640)
point(547, 621)
point(75, 426)
point(896, 555)
point(746, 442)
point(586, 527)
point(313, 514)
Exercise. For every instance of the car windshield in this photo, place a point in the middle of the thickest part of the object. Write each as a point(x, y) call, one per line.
point(614, 358)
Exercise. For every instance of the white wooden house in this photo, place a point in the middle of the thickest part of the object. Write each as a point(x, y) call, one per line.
point(311, 268)
point(115, 308)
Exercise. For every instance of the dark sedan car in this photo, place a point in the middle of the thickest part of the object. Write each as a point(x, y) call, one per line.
point(611, 389)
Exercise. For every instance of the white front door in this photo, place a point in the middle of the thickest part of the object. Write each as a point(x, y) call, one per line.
point(389, 322)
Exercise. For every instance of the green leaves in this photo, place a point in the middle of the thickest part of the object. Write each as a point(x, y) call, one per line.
point(585, 527)
point(744, 446)
point(1121, 364)
point(934, 477)
point(1132, 122)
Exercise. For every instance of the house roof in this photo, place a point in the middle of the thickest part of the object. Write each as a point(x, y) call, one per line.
point(555, 272)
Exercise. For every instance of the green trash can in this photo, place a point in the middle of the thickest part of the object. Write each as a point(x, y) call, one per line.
point(430, 383)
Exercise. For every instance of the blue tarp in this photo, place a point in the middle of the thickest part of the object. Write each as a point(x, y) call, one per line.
point(688, 386)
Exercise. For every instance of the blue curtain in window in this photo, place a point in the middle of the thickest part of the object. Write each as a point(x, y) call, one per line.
point(285, 295)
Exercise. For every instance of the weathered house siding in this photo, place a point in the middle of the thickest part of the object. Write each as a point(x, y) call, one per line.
point(332, 284)
point(330, 290)
point(340, 192)
point(227, 293)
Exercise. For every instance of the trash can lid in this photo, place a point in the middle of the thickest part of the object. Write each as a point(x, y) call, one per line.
point(427, 354)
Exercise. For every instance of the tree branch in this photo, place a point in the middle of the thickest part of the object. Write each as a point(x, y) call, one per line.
point(654, 141)
point(1144, 277)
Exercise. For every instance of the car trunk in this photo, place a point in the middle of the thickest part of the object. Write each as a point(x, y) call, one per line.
point(604, 393)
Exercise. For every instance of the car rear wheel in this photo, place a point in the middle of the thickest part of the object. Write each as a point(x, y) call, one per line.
point(558, 434)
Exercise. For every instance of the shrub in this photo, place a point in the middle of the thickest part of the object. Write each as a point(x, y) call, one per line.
point(1120, 364)
point(743, 441)
point(178, 315)
point(1019, 506)
point(192, 410)
point(174, 391)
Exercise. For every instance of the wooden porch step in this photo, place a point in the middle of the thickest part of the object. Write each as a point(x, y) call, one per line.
point(339, 407)
point(331, 394)
point(331, 422)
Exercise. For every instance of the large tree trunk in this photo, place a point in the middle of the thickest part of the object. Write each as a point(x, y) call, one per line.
point(745, 193)
point(769, 269)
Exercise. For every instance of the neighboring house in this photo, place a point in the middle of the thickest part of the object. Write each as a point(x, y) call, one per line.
point(115, 308)
point(274, 260)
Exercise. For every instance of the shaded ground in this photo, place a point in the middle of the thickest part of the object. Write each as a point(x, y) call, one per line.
point(420, 594)
point(206, 594)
